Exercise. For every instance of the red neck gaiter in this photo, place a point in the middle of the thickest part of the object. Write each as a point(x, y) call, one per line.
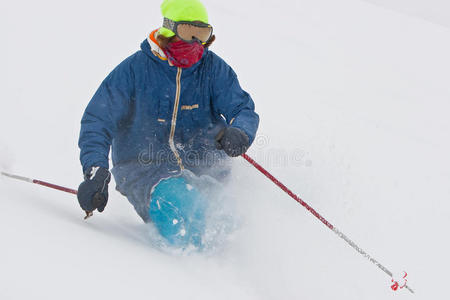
point(182, 54)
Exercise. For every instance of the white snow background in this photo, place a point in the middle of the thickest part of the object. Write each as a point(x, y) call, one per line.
point(354, 100)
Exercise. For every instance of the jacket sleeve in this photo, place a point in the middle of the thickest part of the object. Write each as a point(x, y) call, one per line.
point(232, 102)
point(107, 108)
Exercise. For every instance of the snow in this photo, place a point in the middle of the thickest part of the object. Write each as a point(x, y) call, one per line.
point(354, 103)
point(434, 11)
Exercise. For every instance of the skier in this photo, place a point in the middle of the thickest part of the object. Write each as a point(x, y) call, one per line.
point(170, 112)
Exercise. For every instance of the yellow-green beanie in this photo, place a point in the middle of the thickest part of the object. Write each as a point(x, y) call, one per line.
point(182, 10)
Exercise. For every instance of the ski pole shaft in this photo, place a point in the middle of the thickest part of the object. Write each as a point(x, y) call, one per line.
point(318, 216)
point(46, 184)
point(35, 181)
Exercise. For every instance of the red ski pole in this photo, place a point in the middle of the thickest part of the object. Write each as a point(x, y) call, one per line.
point(46, 184)
point(318, 216)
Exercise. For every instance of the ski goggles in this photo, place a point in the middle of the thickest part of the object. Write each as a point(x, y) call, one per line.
point(190, 31)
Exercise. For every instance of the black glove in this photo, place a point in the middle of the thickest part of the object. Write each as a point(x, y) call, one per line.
point(93, 191)
point(233, 141)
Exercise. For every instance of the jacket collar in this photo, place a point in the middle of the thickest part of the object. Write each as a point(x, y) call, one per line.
point(154, 45)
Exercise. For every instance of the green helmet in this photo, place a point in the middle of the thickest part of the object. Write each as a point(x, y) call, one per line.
point(182, 10)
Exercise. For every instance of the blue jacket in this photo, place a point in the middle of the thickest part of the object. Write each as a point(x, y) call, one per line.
point(154, 114)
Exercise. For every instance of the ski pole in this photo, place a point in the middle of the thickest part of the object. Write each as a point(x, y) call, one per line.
point(47, 184)
point(318, 216)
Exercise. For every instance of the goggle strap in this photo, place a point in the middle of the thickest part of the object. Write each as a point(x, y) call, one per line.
point(169, 24)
